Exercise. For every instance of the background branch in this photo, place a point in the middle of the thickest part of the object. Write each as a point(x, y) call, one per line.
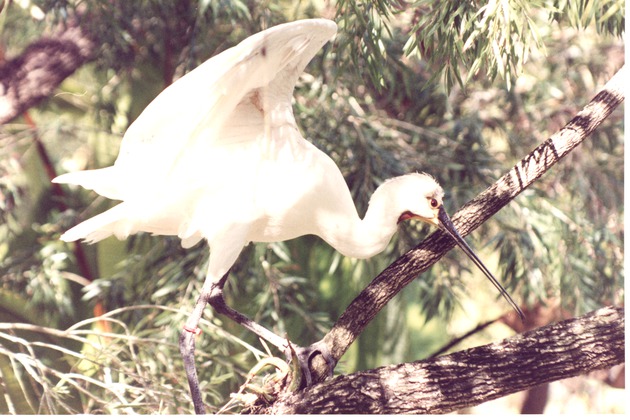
point(34, 75)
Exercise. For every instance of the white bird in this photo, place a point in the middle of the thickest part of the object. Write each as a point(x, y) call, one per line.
point(218, 156)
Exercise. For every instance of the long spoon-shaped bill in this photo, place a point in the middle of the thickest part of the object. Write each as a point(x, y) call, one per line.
point(446, 225)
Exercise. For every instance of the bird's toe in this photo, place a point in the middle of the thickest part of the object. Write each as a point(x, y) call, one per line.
point(301, 358)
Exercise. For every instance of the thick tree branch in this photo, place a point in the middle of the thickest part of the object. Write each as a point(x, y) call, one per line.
point(404, 270)
point(34, 75)
point(473, 376)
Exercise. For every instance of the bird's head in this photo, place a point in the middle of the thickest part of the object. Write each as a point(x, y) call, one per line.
point(419, 196)
point(416, 196)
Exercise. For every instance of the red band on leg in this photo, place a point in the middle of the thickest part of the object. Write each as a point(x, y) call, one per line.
point(195, 331)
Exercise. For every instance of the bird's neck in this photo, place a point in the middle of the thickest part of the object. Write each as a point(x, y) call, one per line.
point(364, 238)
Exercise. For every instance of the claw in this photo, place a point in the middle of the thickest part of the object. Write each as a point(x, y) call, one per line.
point(303, 356)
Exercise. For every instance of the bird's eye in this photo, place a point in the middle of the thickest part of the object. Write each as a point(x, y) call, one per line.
point(434, 203)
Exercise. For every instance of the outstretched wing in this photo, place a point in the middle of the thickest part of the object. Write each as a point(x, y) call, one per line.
point(196, 114)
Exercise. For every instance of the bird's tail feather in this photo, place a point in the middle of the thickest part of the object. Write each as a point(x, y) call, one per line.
point(103, 181)
point(101, 226)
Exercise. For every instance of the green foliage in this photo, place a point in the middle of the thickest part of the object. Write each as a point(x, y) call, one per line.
point(463, 40)
point(608, 16)
point(386, 99)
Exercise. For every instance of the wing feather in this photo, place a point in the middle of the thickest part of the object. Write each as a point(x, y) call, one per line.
point(187, 121)
point(200, 127)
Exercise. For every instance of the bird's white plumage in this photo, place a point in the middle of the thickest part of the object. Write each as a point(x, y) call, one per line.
point(204, 139)
point(218, 155)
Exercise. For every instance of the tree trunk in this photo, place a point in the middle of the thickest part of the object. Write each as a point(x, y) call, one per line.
point(473, 376)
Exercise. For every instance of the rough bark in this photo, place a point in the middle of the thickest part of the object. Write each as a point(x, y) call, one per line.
point(34, 75)
point(473, 376)
point(403, 271)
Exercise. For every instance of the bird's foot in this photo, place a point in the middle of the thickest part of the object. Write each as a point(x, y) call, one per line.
point(301, 357)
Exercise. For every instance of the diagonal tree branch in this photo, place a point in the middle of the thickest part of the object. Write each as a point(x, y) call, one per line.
point(403, 271)
point(473, 376)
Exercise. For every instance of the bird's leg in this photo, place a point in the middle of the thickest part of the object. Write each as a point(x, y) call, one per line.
point(215, 299)
point(212, 293)
point(187, 342)
point(187, 349)
point(303, 354)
